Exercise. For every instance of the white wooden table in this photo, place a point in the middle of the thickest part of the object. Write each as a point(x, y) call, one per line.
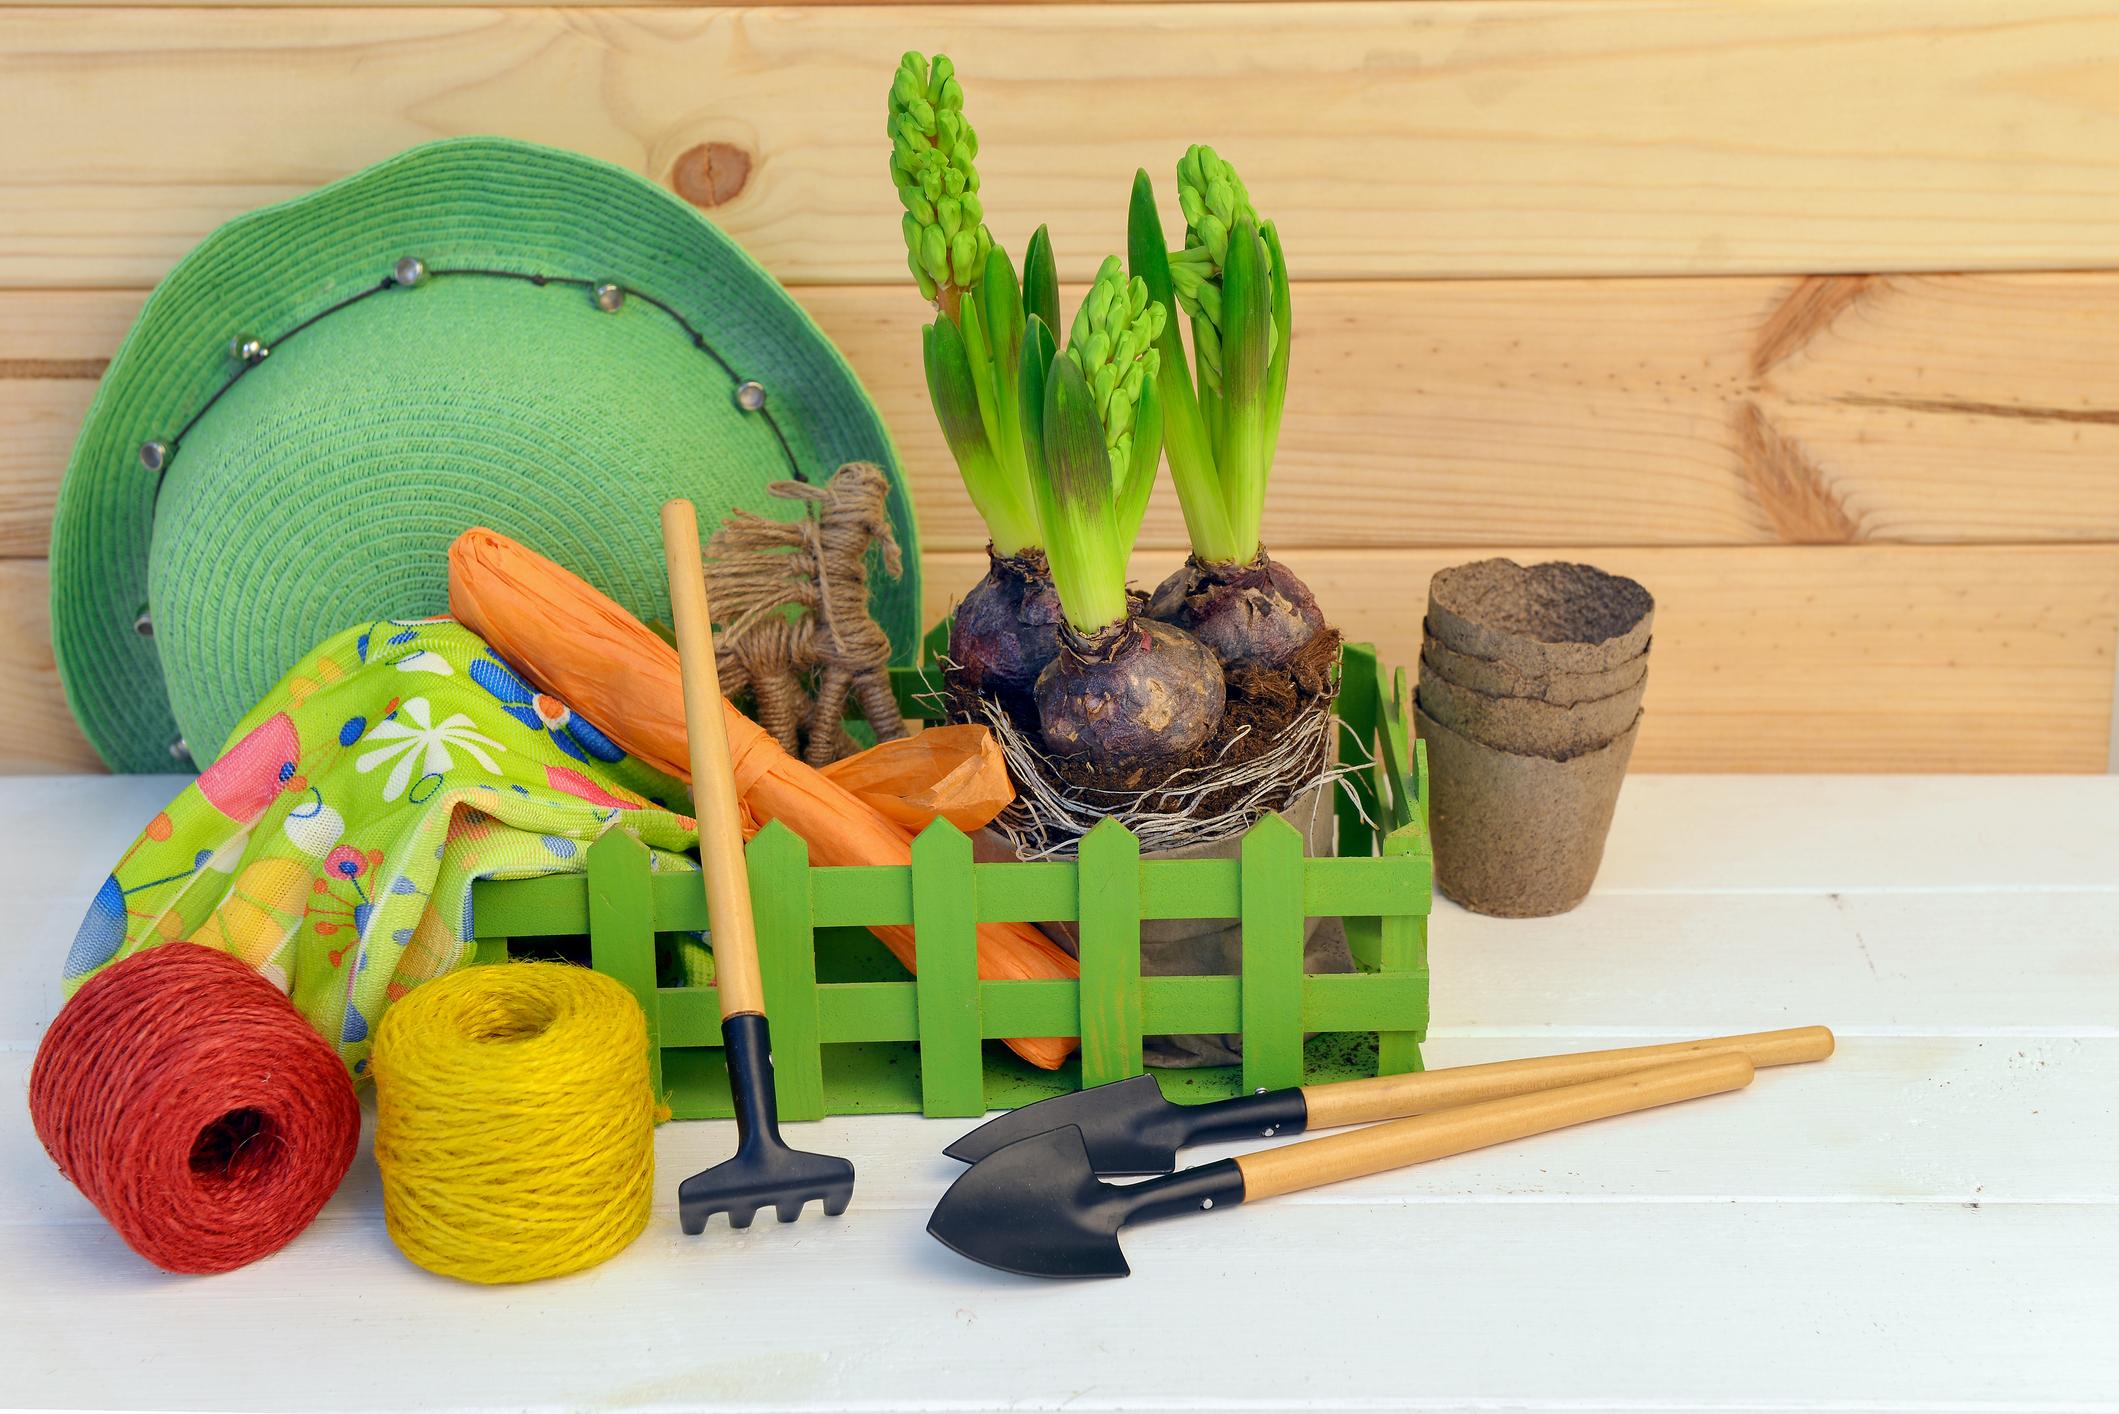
point(1929, 1220)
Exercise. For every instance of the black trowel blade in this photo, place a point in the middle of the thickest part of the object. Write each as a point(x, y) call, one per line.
point(1036, 1208)
point(1127, 1127)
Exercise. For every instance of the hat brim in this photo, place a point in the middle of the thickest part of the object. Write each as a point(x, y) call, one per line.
point(460, 203)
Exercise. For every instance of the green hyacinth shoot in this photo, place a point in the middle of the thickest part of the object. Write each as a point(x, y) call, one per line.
point(1092, 436)
point(933, 152)
point(1230, 280)
point(973, 349)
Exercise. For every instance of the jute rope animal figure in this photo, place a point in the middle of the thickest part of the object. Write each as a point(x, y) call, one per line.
point(758, 570)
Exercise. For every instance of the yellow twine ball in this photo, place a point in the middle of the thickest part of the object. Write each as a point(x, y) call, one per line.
point(514, 1121)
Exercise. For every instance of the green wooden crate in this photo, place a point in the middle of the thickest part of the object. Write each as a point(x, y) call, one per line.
point(853, 1032)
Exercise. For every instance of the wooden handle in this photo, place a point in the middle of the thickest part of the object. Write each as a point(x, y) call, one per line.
point(1395, 1096)
point(735, 942)
point(1433, 1136)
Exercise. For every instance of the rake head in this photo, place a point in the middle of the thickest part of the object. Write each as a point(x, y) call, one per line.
point(765, 1173)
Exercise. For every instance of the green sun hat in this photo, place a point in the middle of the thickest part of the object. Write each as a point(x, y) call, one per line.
point(325, 392)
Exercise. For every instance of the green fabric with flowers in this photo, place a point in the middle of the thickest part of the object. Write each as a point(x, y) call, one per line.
point(333, 844)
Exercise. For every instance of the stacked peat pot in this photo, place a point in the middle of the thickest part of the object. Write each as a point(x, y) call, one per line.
point(1530, 698)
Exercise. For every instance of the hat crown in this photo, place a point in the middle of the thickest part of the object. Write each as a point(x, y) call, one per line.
point(348, 452)
point(323, 488)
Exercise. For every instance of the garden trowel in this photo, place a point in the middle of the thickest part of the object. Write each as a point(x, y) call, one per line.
point(1037, 1208)
point(1128, 1127)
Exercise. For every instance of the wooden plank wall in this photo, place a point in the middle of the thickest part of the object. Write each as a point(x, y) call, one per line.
point(1806, 314)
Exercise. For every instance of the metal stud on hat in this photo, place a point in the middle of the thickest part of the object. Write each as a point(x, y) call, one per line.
point(409, 271)
point(750, 396)
point(609, 298)
point(246, 349)
point(154, 455)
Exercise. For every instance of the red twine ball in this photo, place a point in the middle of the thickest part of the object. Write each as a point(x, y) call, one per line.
point(195, 1107)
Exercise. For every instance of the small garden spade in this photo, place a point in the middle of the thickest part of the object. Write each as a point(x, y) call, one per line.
point(1128, 1127)
point(764, 1172)
point(1037, 1208)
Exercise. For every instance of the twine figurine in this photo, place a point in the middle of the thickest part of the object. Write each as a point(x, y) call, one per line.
point(757, 570)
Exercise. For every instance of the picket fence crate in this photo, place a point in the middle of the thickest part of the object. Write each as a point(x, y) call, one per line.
point(852, 1032)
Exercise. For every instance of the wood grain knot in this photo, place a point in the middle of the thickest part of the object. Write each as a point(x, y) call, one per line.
point(1809, 309)
point(1789, 485)
point(711, 174)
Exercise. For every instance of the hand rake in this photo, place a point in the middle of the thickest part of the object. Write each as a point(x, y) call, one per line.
point(764, 1172)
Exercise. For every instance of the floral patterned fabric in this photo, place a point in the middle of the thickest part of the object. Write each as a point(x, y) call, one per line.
point(334, 844)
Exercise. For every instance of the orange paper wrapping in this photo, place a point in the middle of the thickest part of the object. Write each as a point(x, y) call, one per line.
point(578, 645)
point(954, 772)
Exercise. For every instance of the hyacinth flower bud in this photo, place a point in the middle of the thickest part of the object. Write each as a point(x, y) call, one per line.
point(1213, 199)
point(931, 164)
point(1112, 342)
